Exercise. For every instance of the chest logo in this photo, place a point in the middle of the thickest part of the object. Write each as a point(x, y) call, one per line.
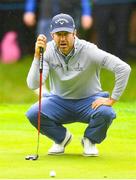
point(78, 67)
point(55, 66)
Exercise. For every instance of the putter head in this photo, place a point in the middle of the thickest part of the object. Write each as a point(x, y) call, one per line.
point(31, 157)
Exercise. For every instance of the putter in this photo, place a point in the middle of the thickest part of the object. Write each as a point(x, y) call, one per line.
point(35, 157)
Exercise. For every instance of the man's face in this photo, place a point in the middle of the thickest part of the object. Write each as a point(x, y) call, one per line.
point(64, 41)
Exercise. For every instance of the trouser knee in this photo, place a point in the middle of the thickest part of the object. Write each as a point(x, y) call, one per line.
point(106, 113)
point(32, 116)
point(48, 127)
point(99, 124)
point(45, 122)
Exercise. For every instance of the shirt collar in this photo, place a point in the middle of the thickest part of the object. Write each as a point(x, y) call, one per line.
point(68, 55)
point(73, 51)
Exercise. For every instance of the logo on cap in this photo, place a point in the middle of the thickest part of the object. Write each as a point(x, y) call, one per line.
point(61, 21)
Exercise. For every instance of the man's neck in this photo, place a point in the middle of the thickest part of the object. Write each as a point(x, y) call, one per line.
point(67, 54)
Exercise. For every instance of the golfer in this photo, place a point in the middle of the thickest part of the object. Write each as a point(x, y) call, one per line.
point(73, 66)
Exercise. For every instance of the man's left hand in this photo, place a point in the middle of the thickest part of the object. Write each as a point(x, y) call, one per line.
point(103, 101)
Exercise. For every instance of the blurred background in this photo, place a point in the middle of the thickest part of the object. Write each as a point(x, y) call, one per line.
point(111, 24)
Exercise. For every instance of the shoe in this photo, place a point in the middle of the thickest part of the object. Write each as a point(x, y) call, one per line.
point(89, 148)
point(57, 149)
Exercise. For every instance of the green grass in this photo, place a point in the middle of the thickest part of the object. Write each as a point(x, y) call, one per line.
point(13, 87)
point(18, 138)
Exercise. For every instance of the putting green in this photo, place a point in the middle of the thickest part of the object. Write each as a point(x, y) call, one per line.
point(117, 158)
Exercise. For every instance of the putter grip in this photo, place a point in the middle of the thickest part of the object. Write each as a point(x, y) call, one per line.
point(41, 59)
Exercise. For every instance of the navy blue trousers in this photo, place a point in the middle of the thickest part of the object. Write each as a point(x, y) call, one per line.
point(56, 111)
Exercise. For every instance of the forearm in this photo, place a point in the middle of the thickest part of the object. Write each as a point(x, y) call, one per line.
point(121, 80)
point(119, 68)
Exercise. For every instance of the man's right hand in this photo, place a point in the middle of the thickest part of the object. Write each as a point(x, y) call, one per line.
point(40, 42)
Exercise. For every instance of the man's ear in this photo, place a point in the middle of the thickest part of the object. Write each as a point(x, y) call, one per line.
point(75, 33)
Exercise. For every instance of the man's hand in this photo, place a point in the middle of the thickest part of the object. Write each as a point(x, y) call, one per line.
point(41, 42)
point(103, 101)
point(86, 21)
point(29, 19)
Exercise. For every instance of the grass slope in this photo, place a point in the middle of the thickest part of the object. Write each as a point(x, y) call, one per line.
point(18, 138)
